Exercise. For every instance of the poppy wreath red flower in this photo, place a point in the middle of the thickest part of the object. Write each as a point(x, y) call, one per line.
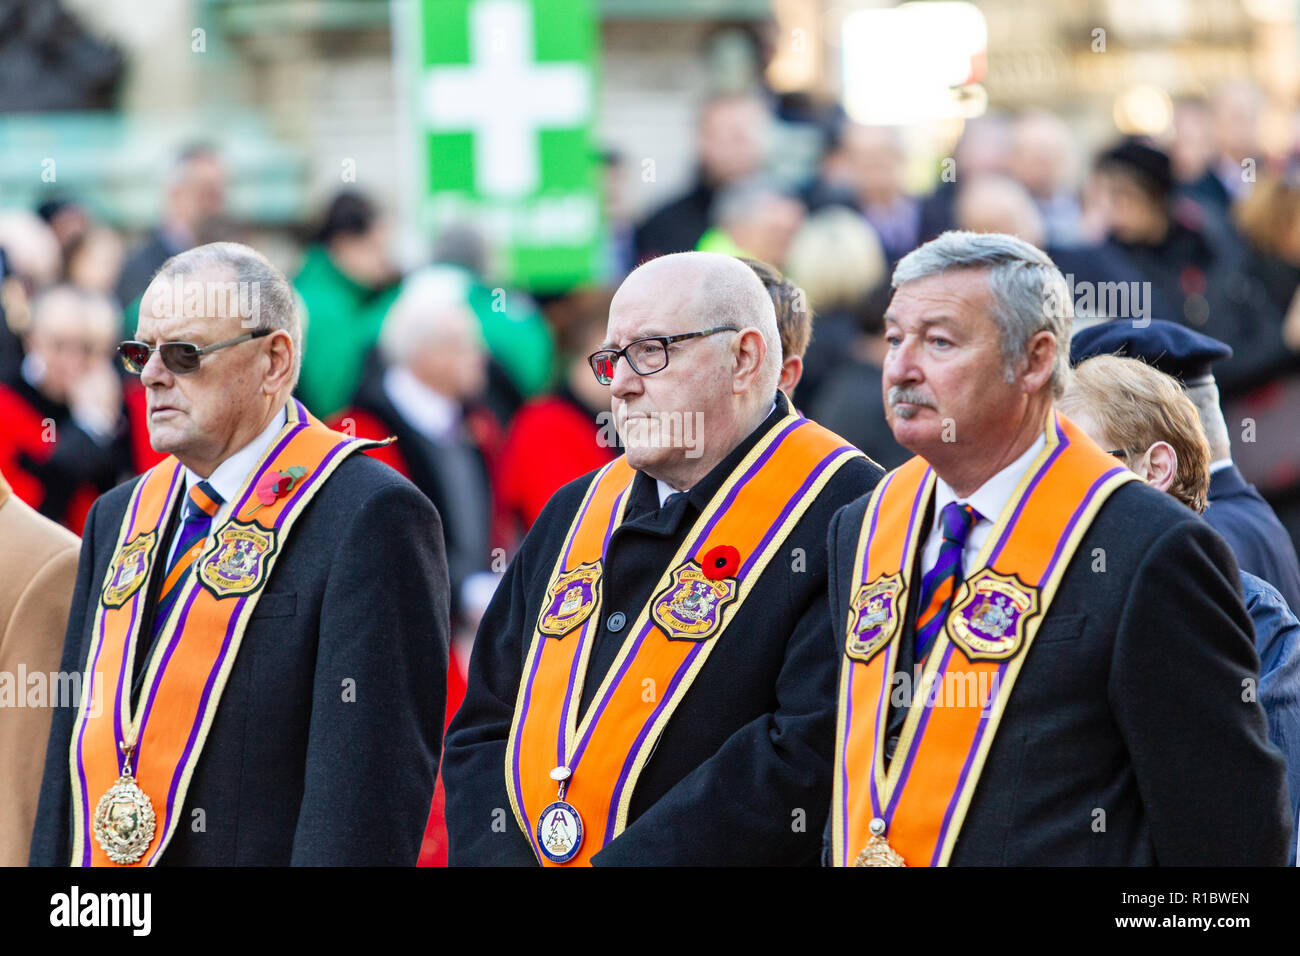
point(721, 562)
point(274, 485)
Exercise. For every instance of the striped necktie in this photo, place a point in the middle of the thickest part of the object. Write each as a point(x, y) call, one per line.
point(200, 507)
point(940, 583)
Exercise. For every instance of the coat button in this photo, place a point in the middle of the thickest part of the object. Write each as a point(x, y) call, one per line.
point(616, 621)
point(891, 744)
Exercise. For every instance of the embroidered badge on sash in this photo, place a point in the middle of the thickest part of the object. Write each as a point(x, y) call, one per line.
point(874, 617)
point(237, 564)
point(988, 622)
point(570, 600)
point(130, 569)
point(690, 608)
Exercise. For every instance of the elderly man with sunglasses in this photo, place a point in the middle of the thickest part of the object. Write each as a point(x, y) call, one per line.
point(653, 681)
point(260, 621)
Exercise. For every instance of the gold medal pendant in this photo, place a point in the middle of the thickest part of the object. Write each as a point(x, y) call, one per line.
point(124, 818)
point(878, 852)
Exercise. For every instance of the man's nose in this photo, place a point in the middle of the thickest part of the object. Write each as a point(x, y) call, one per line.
point(901, 365)
point(626, 381)
point(155, 372)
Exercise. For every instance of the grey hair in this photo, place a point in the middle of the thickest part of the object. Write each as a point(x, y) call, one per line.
point(1029, 293)
point(742, 201)
point(264, 299)
point(1205, 396)
point(428, 297)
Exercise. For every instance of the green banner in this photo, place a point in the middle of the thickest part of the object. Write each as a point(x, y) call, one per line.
point(504, 99)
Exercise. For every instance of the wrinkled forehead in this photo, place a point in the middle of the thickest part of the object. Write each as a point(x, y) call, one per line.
point(642, 309)
point(198, 307)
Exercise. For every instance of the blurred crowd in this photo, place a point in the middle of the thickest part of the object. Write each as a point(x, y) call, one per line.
point(488, 390)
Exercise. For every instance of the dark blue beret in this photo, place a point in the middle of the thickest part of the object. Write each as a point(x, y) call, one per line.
point(1172, 348)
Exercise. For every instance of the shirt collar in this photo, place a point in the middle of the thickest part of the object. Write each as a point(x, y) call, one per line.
point(991, 497)
point(1220, 465)
point(430, 413)
point(228, 477)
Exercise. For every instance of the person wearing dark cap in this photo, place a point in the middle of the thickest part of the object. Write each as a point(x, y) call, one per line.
point(1126, 405)
point(1194, 269)
point(1237, 511)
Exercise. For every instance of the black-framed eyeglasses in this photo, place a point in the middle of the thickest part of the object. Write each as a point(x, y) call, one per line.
point(180, 358)
point(646, 356)
point(1121, 453)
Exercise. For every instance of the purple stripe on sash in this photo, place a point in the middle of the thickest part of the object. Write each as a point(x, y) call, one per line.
point(703, 535)
point(1078, 513)
point(252, 485)
point(813, 475)
point(888, 666)
point(583, 634)
point(1062, 444)
point(519, 733)
point(588, 498)
point(640, 737)
point(919, 735)
point(965, 772)
point(844, 761)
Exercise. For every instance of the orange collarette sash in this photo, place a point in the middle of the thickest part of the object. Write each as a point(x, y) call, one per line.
point(916, 808)
point(195, 650)
point(696, 597)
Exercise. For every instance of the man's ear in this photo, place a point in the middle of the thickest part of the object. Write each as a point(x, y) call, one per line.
point(749, 351)
point(280, 371)
point(1040, 358)
point(1159, 466)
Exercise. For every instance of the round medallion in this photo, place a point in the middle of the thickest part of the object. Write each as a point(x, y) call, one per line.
point(559, 832)
point(124, 821)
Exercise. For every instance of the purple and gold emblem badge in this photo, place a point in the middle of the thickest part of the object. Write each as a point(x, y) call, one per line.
point(690, 608)
point(236, 564)
point(874, 617)
point(129, 570)
point(570, 600)
point(990, 618)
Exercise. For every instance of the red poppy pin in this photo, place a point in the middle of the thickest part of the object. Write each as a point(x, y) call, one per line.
point(274, 485)
point(720, 562)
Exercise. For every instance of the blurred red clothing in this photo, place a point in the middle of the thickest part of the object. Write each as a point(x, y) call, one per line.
point(551, 441)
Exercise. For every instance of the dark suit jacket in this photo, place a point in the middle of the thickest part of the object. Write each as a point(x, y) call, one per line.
point(292, 773)
point(1258, 541)
point(741, 774)
point(1130, 702)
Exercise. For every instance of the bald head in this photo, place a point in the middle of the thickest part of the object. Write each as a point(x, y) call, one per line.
point(1000, 204)
point(698, 290)
point(724, 380)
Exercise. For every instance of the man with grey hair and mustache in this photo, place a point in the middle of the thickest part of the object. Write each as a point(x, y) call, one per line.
point(259, 621)
point(1042, 659)
point(653, 681)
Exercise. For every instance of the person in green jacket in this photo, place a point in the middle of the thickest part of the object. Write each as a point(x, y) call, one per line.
point(347, 282)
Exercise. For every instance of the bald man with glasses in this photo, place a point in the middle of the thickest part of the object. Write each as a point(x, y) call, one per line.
point(260, 621)
point(653, 683)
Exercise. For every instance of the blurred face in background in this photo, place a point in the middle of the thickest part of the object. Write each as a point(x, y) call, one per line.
point(96, 261)
point(1132, 214)
point(875, 159)
point(1191, 151)
point(767, 232)
point(364, 257)
point(199, 195)
point(452, 360)
point(70, 337)
point(732, 139)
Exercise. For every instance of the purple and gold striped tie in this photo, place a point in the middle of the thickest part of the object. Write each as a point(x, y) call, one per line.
point(200, 507)
point(940, 582)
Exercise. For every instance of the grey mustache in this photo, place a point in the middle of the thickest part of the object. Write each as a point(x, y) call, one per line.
point(901, 394)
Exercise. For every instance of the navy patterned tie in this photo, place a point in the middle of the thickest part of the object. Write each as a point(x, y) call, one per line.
point(940, 583)
point(200, 507)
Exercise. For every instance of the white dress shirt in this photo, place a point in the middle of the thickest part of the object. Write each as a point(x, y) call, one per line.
point(229, 476)
point(989, 500)
point(432, 414)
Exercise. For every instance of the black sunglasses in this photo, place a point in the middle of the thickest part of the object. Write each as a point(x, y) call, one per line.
point(180, 358)
point(646, 356)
